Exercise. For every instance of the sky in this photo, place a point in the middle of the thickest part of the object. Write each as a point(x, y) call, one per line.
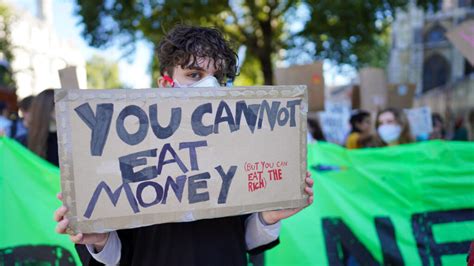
point(134, 70)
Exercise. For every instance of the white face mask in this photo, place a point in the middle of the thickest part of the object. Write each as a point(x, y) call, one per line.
point(209, 81)
point(389, 133)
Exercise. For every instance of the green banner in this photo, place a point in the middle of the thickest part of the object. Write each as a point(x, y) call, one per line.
point(28, 188)
point(405, 205)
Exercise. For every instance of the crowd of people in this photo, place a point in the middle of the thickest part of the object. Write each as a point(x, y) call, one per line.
point(392, 128)
point(34, 126)
point(178, 55)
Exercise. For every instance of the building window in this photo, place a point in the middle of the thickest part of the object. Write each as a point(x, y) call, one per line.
point(436, 72)
point(435, 34)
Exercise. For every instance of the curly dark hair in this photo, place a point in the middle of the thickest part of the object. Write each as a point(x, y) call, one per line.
point(184, 45)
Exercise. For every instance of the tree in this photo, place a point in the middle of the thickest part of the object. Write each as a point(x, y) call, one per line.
point(354, 32)
point(102, 74)
point(6, 47)
point(342, 31)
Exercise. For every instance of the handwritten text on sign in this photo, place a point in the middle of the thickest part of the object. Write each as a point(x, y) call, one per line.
point(161, 155)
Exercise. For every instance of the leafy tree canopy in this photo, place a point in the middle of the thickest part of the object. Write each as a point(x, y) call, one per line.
point(352, 32)
point(102, 74)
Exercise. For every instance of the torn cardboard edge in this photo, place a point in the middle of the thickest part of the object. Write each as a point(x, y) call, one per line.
point(65, 97)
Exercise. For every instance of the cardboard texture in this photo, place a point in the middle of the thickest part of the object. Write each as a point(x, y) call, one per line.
point(401, 95)
point(355, 97)
point(132, 158)
point(310, 75)
point(373, 89)
point(69, 78)
point(462, 37)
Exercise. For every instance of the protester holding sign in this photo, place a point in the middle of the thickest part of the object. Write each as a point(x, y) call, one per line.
point(189, 57)
point(392, 127)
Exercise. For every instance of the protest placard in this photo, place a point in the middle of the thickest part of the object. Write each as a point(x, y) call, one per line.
point(131, 158)
point(335, 121)
point(401, 95)
point(373, 89)
point(420, 121)
point(463, 39)
point(310, 75)
point(69, 78)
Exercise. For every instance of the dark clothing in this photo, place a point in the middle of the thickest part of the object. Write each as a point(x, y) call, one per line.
point(52, 149)
point(461, 134)
point(206, 242)
point(51, 146)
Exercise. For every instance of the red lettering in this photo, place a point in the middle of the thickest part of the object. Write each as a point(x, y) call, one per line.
point(275, 174)
point(278, 175)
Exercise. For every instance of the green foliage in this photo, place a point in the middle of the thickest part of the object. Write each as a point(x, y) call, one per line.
point(250, 74)
point(6, 54)
point(352, 32)
point(102, 74)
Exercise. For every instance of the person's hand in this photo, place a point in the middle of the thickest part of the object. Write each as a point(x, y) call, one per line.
point(96, 239)
point(272, 217)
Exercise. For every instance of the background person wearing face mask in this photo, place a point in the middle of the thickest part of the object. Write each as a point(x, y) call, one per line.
point(42, 138)
point(392, 127)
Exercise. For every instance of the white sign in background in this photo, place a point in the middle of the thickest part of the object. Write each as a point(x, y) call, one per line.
point(420, 121)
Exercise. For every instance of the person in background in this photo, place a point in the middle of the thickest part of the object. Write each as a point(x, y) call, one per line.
point(42, 138)
point(5, 123)
point(21, 124)
point(460, 131)
point(314, 131)
point(470, 117)
point(360, 130)
point(392, 127)
point(439, 132)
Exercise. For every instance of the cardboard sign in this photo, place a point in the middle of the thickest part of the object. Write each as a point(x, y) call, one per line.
point(133, 158)
point(333, 127)
point(373, 89)
point(69, 78)
point(335, 121)
point(310, 75)
point(462, 37)
point(401, 95)
point(420, 121)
